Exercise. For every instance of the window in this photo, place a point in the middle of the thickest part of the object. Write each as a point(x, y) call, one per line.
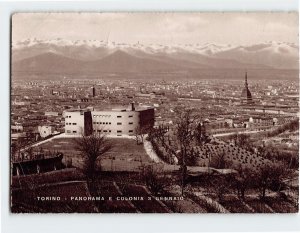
point(119, 123)
point(94, 123)
point(74, 123)
point(109, 130)
point(74, 131)
point(130, 131)
point(68, 131)
point(130, 123)
point(110, 123)
point(99, 131)
point(130, 116)
point(119, 116)
point(107, 123)
point(105, 131)
point(119, 131)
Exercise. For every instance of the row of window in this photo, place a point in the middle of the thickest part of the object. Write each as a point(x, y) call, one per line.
point(119, 132)
point(109, 116)
point(102, 123)
point(105, 131)
point(101, 115)
point(109, 123)
point(71, 123)
point(69, 131)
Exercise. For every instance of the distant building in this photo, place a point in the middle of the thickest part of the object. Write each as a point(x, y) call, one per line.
point(17, 128)
point(51, 114)
point(45, 131)
point(246, 97)
point(116, 122)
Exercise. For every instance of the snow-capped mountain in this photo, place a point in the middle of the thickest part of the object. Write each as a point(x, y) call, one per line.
point(280, 55)
point(206, 49)
point(276, 54)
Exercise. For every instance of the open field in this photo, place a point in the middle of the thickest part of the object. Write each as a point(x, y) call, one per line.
point(125, 155)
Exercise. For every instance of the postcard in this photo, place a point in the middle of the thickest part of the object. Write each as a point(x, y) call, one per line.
point(168, 112)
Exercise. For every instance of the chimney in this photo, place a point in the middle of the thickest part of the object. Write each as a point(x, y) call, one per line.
point(132, 107)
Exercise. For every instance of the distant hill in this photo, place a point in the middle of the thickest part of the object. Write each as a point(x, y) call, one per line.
point(47, 63)
point(122, 62)
point(118, 61)
point(272, 54)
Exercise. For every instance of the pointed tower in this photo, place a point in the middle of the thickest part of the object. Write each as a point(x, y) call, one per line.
point(94, 91)
point(246, 97)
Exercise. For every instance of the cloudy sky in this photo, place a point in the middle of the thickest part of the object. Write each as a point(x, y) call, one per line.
point(159, 28)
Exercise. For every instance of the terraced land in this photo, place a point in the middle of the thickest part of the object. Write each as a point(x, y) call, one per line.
point(26, 200)
point(147, 203)
point(209, 155)
point(110, 189)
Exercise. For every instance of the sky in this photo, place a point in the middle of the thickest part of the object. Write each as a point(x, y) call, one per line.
point(159, 28)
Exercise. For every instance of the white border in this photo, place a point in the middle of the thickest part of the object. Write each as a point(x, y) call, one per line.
point(124, 222)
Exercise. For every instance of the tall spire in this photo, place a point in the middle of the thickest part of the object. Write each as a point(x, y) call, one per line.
point(246, 94)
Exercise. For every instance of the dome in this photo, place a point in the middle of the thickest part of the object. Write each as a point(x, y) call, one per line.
point(246, 94)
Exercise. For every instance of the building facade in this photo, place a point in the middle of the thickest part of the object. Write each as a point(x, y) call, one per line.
point(115, 122)
point(78, 122)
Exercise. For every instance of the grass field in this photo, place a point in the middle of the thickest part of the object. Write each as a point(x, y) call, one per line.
point(125, 155)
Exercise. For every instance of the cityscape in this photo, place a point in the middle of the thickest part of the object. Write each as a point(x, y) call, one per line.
point(99, 126)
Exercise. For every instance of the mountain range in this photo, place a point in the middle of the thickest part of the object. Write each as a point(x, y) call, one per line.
point(93, 56)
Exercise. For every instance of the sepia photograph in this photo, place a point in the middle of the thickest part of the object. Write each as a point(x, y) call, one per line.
point(154, 112)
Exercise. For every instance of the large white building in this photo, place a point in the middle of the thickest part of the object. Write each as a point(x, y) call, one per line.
point(116, 122)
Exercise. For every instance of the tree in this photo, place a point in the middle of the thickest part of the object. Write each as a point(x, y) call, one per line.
point(154, 180)
point(271, 176)
point(243, 141)
point(17, 147)
point(200, 134)
point(92, 148)
point(162, 144)
point(244, 180)
point(220, 161)
point(140, 132)
point(185, 135)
